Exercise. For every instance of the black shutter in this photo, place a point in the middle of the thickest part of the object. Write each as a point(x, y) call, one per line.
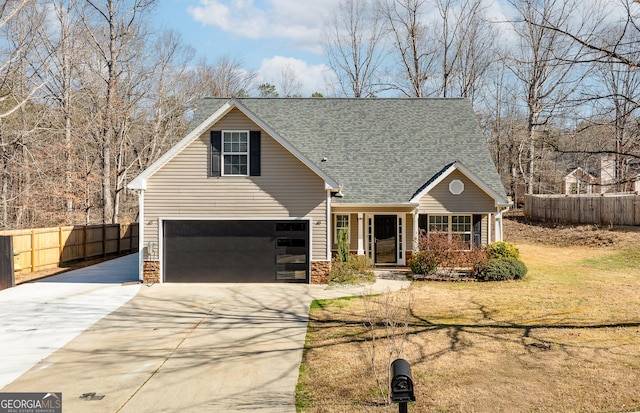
point(216, 150)
point(477, 230)
point(422, 222)
point(254, 153)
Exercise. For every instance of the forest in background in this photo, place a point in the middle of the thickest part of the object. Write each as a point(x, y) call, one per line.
point(91, 93)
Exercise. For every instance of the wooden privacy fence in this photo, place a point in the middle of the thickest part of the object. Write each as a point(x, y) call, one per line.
point(613, 209)
point(42, 248)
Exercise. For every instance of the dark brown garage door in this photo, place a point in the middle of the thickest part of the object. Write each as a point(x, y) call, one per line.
point(236, 251)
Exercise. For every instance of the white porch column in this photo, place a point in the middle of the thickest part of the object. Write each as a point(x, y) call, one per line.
point(489, 218)
point(416, 231)
point(328, 225)
point(360, 233)
point(401, 222)
point(499, 226)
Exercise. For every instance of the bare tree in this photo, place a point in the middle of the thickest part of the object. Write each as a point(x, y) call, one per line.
point(113, 27)
point(467, 51)
point(19, 117)
point(505, 123)
point(352, 41)
point(616, 102)
point(450, 49)
point(541, 62)
point(404, 20)
point(612, 47)
point(226, 78)
point(61, 43)
point(168, 99)
point(20, 40)
point(604, 47)
point(290, 84)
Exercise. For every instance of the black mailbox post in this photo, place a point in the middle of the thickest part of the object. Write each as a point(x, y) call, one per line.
point(401, 384)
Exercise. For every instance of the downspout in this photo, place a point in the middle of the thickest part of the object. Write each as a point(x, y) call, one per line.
point(360, 233)
point(499, 223)
point(416, 230)
point(328, 221)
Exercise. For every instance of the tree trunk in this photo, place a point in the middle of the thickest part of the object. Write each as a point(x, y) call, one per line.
point(65, 50)
point(107, 131)
point(5, 184)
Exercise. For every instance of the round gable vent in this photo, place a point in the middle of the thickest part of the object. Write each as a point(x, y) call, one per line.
point(456, 187)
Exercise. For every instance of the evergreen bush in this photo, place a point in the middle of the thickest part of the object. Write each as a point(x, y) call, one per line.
point(423, 262)
point(355, 270)
point(503, 250)
point(343, 246)
point(498, 269)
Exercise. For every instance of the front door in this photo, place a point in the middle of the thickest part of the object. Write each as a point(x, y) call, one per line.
point(385, 233)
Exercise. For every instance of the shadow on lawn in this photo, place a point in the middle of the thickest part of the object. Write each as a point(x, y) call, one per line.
point(532, 337)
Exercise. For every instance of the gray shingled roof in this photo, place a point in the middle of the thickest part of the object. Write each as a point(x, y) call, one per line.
point(380, 150)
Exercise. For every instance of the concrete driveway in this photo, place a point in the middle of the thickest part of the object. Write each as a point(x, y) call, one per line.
point(37, 318)
point(188, 348)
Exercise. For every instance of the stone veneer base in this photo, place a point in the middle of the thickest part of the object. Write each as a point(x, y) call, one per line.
point(151, 272)
point(320, 272)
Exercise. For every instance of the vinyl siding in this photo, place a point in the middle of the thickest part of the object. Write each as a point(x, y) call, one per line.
point(286, 188)
point(353, 232)
point(409, 224)
point(485, 229)
point(472, 200)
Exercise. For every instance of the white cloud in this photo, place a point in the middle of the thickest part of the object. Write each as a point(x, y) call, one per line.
point(314, 78)
point(297, 21)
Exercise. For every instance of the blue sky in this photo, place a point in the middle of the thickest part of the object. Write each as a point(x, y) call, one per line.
point(269, 36)
point(266, 35)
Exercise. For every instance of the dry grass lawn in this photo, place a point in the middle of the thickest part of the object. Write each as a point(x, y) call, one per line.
point(566, 339)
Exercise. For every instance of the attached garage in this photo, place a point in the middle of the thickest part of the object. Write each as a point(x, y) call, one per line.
point(236, 251)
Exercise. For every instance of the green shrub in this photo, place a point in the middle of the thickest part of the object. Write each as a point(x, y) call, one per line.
point(496, 270)
point(519, 269)
point(355, 270)
point(502, 269)
point(503, 250)
point(343, 246)
point(340, 273)
point(360, 265)
point(423, 262)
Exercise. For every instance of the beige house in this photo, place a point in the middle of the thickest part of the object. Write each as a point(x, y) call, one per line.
point(580, 181)
point(259, 188)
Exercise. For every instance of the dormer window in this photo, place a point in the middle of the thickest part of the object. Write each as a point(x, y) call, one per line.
point(235, 152)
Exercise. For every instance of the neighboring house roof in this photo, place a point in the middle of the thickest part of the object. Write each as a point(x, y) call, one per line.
point(580, 173)
point(380, 151)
